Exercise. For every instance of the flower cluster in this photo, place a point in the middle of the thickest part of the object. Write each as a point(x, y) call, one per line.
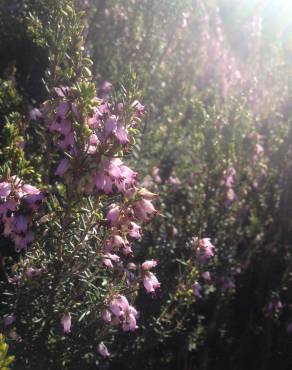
point(122, 221)
point(204, 251)
point(123, 313)
point(123, 227)
point(18, 201)
point(149, 279)
point(204, 248)
point(90, 138)
point(104, 130)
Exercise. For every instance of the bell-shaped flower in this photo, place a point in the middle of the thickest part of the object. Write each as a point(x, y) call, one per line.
point(62, 167)
point(197, 288)
point(130, 323)
point(102, 349)
point(110, 125)
point(204, 249)
point(106, 316)
point(20, 224)
point(150, 282)
point(5, 189)
point(33, 272)
point(119, 305)
point(66, 323)
point(144, 210)
point(230, 175)
point(113, 214)
point(147, 265)
point(62, 109)
point(34, 114)
point(122, 135)
point(109, 258)
point(134, 230)
point(206, 275)
point(118, 241)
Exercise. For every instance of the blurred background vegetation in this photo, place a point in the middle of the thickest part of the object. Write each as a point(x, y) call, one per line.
point(215, 77)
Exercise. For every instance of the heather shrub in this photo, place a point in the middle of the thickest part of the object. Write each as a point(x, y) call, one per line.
point(71, 209)
point(213, 141)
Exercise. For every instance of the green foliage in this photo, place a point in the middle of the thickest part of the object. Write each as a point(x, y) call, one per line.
point(5, 360)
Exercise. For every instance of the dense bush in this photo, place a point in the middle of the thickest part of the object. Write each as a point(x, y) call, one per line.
point(215, 144)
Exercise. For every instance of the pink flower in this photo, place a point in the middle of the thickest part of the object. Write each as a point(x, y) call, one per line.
point(123, 312)
point(62, 109)
point(128, 250)
point(30, 190)
point(94, 119)
point(130, 323)
point(259, 150)
point(140, 109)
point(66, 322)
point(20, 224)
point(10, 205)
point(62, 167)
point(147, 265)
point(67, 141)
point(111, 125)
point(119, 305)
point(174, 180)
point(108, 263)
point(155, 175)
point(116, 174)
point(131, 266)
point(120, 107)
point(109, 258)
point(106, 316)
point(65, 127)
point(33, 195)
point(5, 189)
point(106, 87)
point(197, 288)
point(230, 174)
point(35, 113)
point(128, 176)
point(144, 210)
point(93, 139)
point(122, 135)
point(34, 201)
point(113, 214)
point(93, 143)
point(22, 242)
point(102, 349)
point(113, 168)
point(103, 183)
point(150, 282)
point(118, 241)
point(134, 230)
point(206, 275)
point(32, 272)
point(204, 248)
